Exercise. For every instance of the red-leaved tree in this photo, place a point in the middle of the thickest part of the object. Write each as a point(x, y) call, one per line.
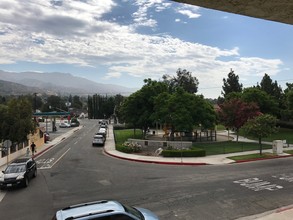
point(234, 113)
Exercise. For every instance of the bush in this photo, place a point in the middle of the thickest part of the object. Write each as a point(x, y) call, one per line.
point(193, 152)
point(123, 149)
point(129, 147)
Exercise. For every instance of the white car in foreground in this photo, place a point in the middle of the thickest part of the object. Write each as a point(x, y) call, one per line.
point(104, 210)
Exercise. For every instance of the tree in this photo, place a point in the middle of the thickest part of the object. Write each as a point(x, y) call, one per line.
point(271, 88)
point(287, 111)
point(138, 108)
point(3, 124)
point(76, 103)
point(184, 79)
point(234, 113)
point(266, 103)
point(18, 122)
point(231, 84)
point(54, 103)
point(261, 126)
point(182, 111)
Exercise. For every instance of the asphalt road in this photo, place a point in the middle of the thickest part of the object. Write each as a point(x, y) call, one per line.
point(73, 172)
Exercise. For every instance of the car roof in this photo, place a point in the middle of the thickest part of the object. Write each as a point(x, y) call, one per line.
point(21, 160)
point(98, 136)
point(90, 208)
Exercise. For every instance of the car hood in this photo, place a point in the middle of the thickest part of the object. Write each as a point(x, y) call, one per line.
point(12, 175)
point(147, 214)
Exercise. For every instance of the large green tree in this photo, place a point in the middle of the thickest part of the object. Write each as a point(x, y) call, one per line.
point(138, 108)
point(17, 122)
point(271, 88)
point(183, 79)
point(76, 102)
point(266, 103)
point(231, 84)
point(260, 127)
point(54, 103)
point(101, 106)
point(182, 111)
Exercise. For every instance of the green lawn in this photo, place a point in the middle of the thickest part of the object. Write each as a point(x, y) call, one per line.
point(283, 134)
point(252, 156)
point(228, 147)
point(216, 147)
point(122, 135)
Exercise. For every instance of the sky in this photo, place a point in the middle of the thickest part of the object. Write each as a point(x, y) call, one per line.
point(124, 42)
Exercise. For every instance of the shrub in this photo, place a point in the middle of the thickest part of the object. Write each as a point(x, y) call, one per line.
point(123, 149)
point(129, 147)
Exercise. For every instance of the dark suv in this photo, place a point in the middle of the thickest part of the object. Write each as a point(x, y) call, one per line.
point(18, 173)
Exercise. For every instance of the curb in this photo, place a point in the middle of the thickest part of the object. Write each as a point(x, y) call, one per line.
point(257, 159)
point(156, 162)
point(42, 151)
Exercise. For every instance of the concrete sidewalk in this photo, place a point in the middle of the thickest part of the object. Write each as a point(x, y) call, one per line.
point(283, 213)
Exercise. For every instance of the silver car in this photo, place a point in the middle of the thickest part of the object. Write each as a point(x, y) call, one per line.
point(104, 210)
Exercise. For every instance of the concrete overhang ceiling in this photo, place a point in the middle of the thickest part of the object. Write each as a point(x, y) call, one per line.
point(273, 10)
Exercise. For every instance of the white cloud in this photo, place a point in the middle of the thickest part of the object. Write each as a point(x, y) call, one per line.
point(141, 16)
point(189, 11)
point(71, 32)
point(110, 75)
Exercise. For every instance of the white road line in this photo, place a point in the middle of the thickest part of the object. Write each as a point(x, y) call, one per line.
point(2, 194)
point(61, 157)
point(47, 166)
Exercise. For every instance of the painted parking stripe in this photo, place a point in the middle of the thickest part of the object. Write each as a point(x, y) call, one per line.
point(49, 163)
point(256, 184)
point(288, 177)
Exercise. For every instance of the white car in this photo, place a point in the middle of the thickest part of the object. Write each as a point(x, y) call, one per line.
point(98, 140)
point(104, 210)
point(64, 125)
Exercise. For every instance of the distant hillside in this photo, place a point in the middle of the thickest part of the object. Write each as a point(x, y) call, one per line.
point(62, 83)
point(10, 88)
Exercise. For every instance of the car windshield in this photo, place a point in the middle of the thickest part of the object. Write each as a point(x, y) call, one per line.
point(15, 168)
point(133, 211)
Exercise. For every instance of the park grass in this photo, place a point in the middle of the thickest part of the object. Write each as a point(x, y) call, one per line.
point(226, 147)
point(213, 148)
point(252, 156)
point(288, 151)
point(282, 134)
point(122, 135)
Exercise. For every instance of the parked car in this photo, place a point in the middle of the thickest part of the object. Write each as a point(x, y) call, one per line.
point(99, 140)
point(104, 210)
point(18, 173)
point(74, 122)
point(46, 137)
point(103, 126)
point(103, 133)
point(64, 125)
point(104, 130)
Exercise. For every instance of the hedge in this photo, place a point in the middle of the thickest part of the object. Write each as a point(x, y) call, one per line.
point(124, 149)
point(194, 152)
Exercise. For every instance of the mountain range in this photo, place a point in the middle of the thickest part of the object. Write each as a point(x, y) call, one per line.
point(18, 83)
